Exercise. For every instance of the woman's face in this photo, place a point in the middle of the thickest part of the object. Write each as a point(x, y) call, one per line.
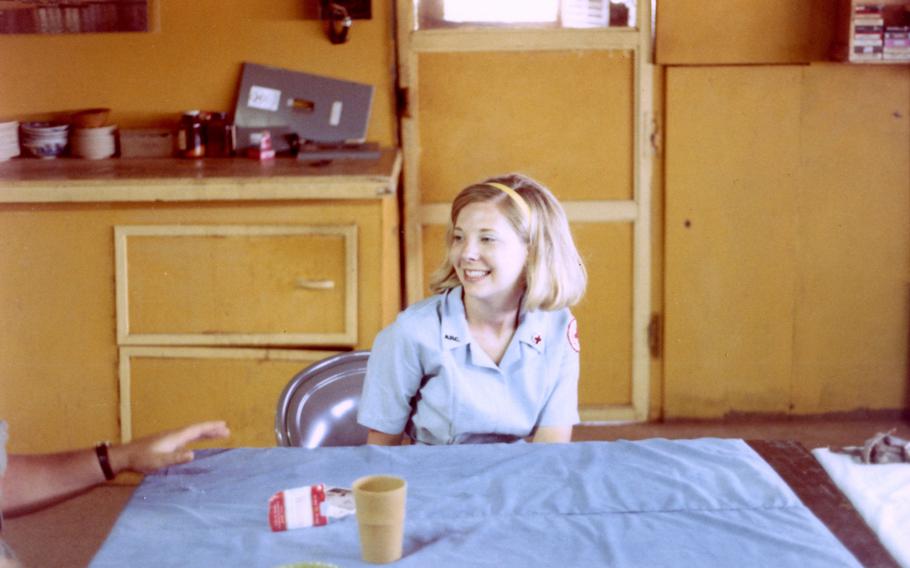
point(489, 256)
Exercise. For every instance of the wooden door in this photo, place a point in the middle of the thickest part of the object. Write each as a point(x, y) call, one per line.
point(569, 107)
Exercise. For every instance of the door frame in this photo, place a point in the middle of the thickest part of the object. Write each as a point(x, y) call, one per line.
point(634, 40)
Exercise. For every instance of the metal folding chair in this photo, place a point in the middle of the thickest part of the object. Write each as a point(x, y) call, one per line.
point(318, 407)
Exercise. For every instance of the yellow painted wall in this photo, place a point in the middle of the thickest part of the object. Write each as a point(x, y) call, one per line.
point(193, 61)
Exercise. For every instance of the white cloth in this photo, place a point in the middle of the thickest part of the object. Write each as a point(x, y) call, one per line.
point(466, 397)
point(881, 494)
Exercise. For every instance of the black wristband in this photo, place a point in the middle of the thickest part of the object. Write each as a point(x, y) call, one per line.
point(104, 460)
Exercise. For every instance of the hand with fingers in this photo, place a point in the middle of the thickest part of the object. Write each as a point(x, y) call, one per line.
point(164, 449)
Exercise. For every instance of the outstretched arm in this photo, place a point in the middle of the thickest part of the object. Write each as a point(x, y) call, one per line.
point(35, 481)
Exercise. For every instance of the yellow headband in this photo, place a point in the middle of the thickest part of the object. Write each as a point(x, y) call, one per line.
point(521, 203)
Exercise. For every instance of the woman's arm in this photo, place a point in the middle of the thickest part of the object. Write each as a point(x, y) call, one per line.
point(378, 438)
point(35, 481)
point(553, 434)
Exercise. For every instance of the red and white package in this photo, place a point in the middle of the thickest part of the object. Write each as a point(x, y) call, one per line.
point(309, 506)
point(264, 150)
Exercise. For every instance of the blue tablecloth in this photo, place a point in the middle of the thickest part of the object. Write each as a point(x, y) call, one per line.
point(652, 503)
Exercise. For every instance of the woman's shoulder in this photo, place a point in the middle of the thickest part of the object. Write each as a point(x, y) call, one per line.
point(418, 319)
point(428, 308)
point(554, 319)
point(558, 326)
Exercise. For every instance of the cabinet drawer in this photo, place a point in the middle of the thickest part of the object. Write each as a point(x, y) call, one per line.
point(236, 284)
point(168, 387)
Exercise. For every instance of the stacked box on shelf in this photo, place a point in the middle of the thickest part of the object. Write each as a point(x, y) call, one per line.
point(896, 43)
point(866, 31)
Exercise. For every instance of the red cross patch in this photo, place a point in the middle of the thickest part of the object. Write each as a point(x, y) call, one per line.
point(537, 339)
point(572, 335)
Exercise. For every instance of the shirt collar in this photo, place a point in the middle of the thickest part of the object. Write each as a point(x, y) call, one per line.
point(454, 321)
point(531, 327)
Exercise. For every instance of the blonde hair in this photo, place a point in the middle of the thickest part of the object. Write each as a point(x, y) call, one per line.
point(555, 276)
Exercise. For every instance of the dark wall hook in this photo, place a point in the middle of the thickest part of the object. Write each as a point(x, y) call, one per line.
point(338, 21)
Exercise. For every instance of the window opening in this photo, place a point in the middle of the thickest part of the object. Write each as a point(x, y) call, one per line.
point(525, 13)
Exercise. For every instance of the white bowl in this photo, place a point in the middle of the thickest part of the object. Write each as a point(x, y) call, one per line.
point(43, 137)
point(94, 148)
point(43, 132)
point(44, 127)
point(93, 153)
point(7, 153)
point(93, 142)
point(45, 150)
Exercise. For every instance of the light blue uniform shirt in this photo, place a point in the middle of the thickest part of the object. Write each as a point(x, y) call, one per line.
point(466, 398)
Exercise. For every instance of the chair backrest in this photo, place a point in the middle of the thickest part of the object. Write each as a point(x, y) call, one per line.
point(318, 407)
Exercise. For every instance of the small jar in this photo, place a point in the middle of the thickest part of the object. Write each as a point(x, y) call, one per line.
point(219, 135)
point(191, 136)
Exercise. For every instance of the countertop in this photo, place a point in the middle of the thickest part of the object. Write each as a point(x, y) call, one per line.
point(29, 180)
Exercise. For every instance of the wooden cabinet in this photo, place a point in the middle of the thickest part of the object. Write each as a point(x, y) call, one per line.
point(143, 294)
point(787, 240)
point(264, 284)
point(690, 32)
point(162, 387)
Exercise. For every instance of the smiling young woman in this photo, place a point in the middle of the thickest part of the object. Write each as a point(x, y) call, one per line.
point(493, 356)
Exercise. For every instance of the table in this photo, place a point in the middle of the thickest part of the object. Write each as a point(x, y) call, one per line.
point(705, 502)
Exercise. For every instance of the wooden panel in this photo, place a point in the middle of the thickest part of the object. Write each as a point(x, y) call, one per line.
point(733, 140)
point(604, 316)
point(58, 344)
point(58, 357)
point(487, 113)
point(433, 239)
point(788, 290)
point(690, 32)
point(269, 284)
point(166, 388)
point(853, 301)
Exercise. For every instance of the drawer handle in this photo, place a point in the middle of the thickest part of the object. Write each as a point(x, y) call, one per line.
point(308, 284)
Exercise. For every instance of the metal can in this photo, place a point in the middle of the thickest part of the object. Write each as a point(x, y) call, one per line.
point(191, 136)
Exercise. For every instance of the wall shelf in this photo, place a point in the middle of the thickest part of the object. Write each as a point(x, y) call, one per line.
point(164, 179)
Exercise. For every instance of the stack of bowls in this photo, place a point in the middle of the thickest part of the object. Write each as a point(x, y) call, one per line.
point(9, 140)
point(44, 139)
point(93, 143)
point(91, 138)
